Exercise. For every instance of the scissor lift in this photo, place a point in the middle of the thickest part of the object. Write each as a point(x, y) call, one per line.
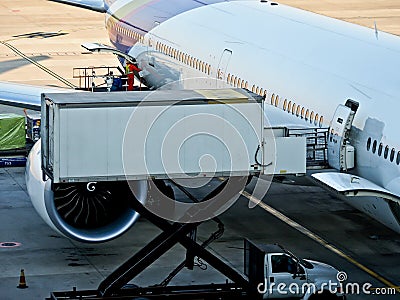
point(266, 153)
point(116, 285)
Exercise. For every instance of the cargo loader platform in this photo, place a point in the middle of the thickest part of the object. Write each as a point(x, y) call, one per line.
point(164, 137)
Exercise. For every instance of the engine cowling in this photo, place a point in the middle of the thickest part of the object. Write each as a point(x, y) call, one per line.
point(87, 212)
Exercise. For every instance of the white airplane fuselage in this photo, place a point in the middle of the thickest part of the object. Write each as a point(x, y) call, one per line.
point(304, 63)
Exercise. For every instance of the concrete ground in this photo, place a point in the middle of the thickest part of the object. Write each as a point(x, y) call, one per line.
point(51, 33)
point(385, 13)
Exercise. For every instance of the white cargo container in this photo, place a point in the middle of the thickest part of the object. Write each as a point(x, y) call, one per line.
point(136, 135)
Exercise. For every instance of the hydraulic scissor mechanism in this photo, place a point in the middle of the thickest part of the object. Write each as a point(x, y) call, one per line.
point(116, 285)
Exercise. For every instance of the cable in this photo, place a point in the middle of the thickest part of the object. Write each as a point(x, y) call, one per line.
point(256, 160)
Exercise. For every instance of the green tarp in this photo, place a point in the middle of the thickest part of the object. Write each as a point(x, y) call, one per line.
point(12, 131)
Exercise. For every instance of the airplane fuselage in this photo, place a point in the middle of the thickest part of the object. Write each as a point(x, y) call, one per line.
point(305, 64)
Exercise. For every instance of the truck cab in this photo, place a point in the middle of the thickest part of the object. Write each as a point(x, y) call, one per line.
point(287, 276)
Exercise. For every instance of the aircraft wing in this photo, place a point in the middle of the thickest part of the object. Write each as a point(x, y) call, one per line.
point(96, 5)
point(351, 185)
point(25, 96)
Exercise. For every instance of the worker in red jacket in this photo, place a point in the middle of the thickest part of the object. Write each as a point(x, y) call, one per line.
point(131, 69)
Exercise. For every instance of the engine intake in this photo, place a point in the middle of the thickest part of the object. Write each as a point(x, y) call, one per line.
point(93, 212)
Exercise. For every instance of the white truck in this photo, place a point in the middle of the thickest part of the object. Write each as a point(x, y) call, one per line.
point(287, 276)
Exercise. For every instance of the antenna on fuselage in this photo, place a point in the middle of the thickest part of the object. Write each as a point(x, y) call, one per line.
point(376, 30)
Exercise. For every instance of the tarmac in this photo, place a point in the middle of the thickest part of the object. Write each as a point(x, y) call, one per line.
point(305, 219)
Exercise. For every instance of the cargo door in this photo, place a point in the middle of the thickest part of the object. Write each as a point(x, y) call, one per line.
point(222, 67)
point(339, 131)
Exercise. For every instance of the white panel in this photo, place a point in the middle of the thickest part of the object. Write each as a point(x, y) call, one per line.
point(192, 139)
point(287, 155)
point(107, 142)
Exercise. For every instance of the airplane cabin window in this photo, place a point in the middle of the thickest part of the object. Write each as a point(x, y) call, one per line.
point(272, 99)
point(228, 78)
point(385, 154)
point(374, 146)
point(298, 111)
point(321, 121)
point(398, 158)
point(311, 117)
point(289, 106)
point(380, 149)
point(369, 144)
point(285, 104)
point(302, 112)
point(316, 119)
point(392, 153)
point(293, 108)
point(307, 115)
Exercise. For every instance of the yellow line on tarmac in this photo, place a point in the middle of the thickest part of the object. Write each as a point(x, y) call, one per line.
point(318, 239)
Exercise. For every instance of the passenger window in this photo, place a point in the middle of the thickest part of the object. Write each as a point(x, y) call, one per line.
point(321, 121)
point(302, 112)
point(298, 110)
point(276, 100)
point(272, 99)
point(374, 146)
point(380, 149)
point(398, 158)
point(228, 78)
point(369, 144)
point(285, 104)
point(392, 153)
point(307, 114)
point(293, 108)
point(385, 154)
point(316, 119)
point(311, 117)
point(289, 106)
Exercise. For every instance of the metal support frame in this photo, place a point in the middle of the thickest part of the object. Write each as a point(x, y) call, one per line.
point(115, 286)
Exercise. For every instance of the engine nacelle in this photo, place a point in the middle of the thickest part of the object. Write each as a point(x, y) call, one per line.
point(87, 212)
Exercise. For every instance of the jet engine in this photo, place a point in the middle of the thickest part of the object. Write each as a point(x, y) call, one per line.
point(87, 212)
